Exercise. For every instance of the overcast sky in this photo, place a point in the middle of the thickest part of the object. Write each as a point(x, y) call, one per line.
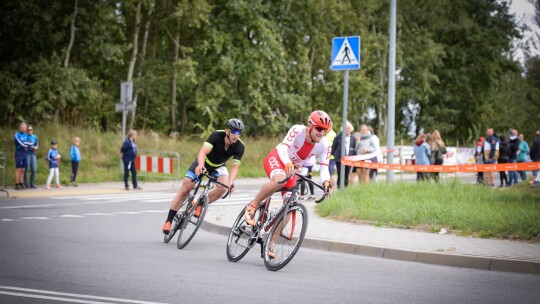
point(524, 12)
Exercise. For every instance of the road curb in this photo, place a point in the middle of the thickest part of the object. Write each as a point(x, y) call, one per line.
point(443, 259)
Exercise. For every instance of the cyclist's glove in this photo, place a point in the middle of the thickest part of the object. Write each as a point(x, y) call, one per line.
point(328, 188)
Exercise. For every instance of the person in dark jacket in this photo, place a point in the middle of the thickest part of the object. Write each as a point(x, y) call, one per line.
point(504, 156)
point(535, 150)
point(514, 146)
point(129, 154)
point(350, 143)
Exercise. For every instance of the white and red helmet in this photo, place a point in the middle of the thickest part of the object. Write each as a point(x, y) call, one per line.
point(319, 118)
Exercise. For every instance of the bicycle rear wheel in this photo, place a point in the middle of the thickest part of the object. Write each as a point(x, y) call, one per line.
point(177, 219)
point(239, 241)
point(191, 223)
point(285, 238)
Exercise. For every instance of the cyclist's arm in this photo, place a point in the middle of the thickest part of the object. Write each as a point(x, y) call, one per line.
point(234, 171)
point(324, 157)
point(201, 157)
point(286, 144)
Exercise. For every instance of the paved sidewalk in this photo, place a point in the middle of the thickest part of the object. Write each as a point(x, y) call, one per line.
point(352, 238)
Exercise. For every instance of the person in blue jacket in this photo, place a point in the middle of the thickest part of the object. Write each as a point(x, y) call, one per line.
point(54, 160)
point(129, 154)
point(75, 155)
point(422, 152)
point(31, 160)
point(21, 150)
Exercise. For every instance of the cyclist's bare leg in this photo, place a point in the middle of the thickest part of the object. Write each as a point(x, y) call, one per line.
point(187, 185)
point(219, 191)
point(267, 190)
point(276, 234)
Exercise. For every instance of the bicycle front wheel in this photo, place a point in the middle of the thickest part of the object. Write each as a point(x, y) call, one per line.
point(177, 220)
point(239, 241)
point(285, 238)
point(192, 221)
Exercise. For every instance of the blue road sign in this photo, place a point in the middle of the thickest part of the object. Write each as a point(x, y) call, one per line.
point(345, 53)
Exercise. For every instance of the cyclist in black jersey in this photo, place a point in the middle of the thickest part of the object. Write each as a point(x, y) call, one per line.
point(220, 146)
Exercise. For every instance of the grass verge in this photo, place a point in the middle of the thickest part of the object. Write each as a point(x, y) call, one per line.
point(509, 213)
point(101, 153)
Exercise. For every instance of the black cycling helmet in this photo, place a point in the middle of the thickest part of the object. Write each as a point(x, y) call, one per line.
point(235, 124)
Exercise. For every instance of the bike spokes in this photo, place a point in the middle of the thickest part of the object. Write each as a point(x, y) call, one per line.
point(285, 238)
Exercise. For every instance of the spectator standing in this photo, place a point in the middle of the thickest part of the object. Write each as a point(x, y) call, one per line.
point(433, 149)
point(523, 155)
point(129, 154)
point(440, 152)
point(21, 149)
point(514, 146)
point(366, 145)
point(422, 154)
point(331, 135)
point(75, 155)
point(491, 153)
point(31, 160)
point(54, 163)
point(349, 150)
point(479, 158)
point(377, 143)
point(504, 156)
point(355, 171)
point(306, 170)
point(535, 150)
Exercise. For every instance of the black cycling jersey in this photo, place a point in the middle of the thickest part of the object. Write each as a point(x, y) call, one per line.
point(219, 153)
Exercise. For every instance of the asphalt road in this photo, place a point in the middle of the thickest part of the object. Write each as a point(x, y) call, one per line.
point(109, 249)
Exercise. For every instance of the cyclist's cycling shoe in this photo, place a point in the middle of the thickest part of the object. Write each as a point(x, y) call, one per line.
point(166, 228)
point(249, 215)
point(197, 212)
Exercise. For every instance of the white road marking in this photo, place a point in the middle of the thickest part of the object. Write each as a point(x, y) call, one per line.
point(8, 220)
point(73, 297)
point(34, 218)
point(70, 215)
point(97, 213)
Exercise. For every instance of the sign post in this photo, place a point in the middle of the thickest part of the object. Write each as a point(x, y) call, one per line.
point(345, 57)
point(126, 104)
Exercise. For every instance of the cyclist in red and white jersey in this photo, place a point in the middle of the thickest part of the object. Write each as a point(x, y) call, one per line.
point(299, 144)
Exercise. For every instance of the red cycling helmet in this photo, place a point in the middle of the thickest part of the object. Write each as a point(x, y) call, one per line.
point(320, 119)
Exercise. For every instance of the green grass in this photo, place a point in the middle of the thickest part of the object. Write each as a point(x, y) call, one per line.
point(101, 152)
point(511, 213)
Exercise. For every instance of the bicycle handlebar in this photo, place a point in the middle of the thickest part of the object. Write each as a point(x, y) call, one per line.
point(303, 178)
point(214, 180)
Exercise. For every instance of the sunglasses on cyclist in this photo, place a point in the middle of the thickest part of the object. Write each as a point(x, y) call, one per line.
point(320, 129)
point(236, 132)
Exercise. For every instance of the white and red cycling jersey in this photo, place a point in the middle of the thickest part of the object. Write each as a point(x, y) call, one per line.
point(296, 150)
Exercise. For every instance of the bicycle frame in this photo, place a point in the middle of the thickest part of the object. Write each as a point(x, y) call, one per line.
point(209, 185)
point(266, 224)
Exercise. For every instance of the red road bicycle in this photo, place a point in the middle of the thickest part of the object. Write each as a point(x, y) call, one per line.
point(280, 232)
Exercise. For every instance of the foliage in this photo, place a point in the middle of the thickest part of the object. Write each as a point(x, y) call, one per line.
point(266, 62)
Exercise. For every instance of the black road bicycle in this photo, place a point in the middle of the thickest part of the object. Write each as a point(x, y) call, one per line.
point(186, 219)
point(279, 232)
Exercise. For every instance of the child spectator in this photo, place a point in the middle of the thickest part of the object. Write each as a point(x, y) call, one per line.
point(54, 159)
point(422, 154)
point(479, 158)
point(75, 155)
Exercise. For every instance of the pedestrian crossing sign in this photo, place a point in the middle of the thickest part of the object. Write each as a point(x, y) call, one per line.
point(345, 53)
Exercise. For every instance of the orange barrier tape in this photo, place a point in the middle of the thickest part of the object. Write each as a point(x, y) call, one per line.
point(442, 168)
